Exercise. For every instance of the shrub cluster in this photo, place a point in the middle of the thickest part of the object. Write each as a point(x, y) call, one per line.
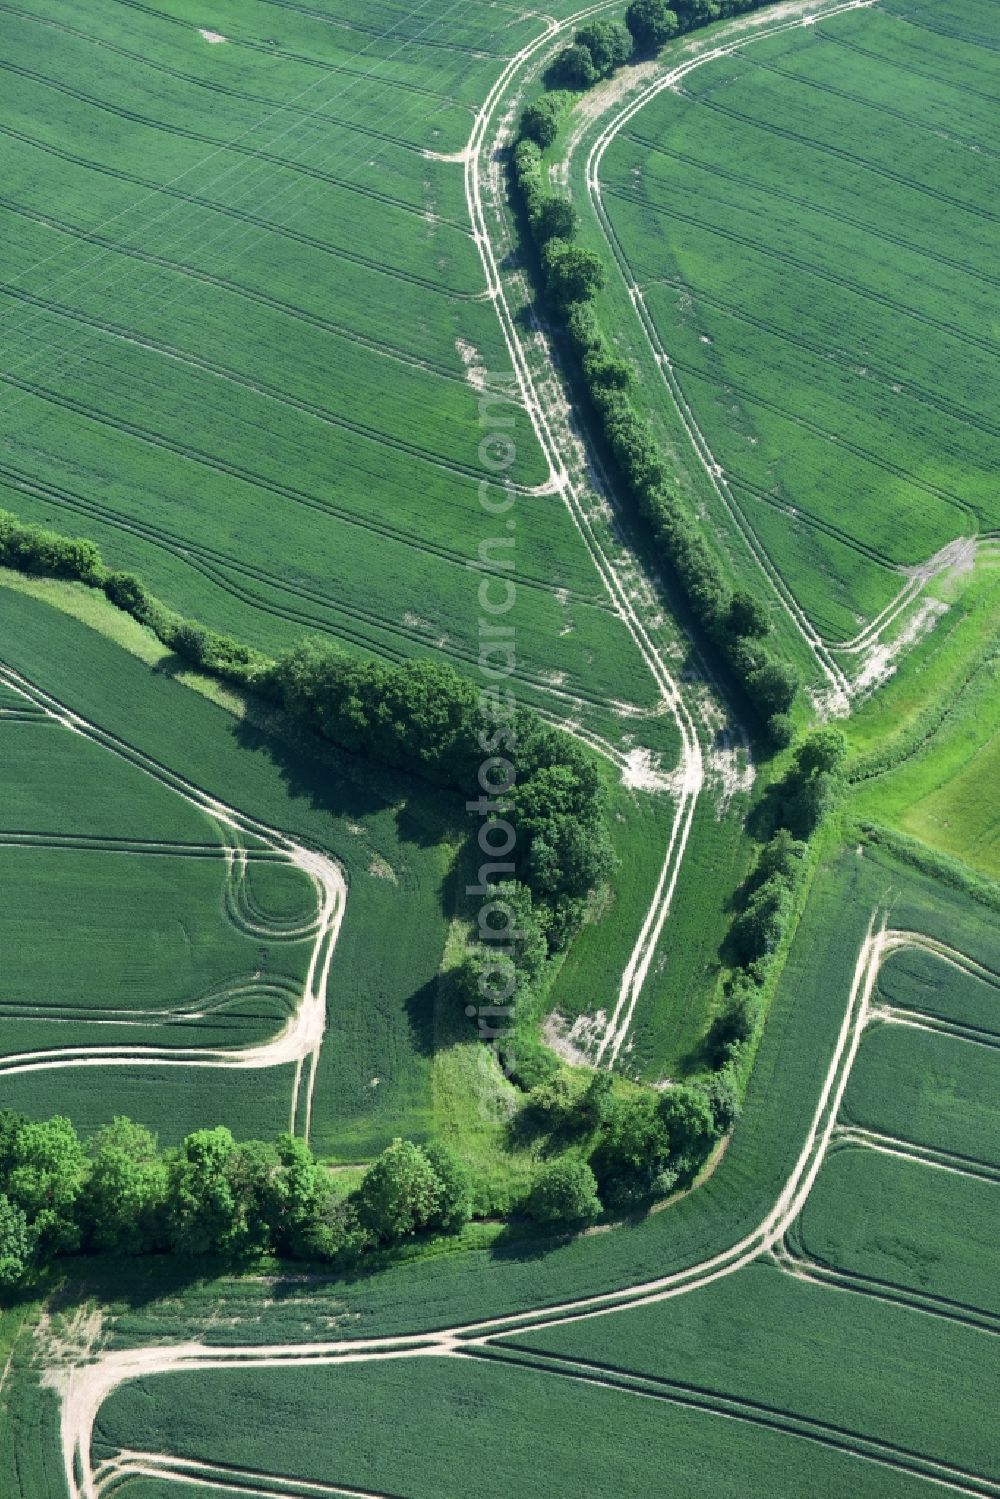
point(32, 549)
point(211, 1196)
point(810, 788)
point(420, 716)
point(624, 1145)
point(736, 622)
point(423, 716)
point(597, 50)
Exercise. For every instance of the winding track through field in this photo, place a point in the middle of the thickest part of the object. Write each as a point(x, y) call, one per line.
point(300, 1039)
point(83, 1389)
point(565, 475)
point(840, 688)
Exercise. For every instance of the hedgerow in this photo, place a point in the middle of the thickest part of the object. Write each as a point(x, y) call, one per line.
point(418, 716)
point(734, 621)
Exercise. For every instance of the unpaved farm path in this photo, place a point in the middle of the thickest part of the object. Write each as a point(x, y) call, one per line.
point(83, 1389)
point(300, 1039)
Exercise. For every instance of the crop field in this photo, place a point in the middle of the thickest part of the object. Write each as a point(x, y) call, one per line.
point(809, 223)
point(227, 984)
point(760, 1372)
point(284, 338)
point(199, 245)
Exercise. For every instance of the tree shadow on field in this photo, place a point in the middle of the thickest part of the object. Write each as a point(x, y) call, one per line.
point(348, 786)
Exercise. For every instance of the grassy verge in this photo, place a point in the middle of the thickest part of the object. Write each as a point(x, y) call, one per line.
point(925, 749)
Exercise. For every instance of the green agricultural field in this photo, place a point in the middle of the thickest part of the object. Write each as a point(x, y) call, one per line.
point(808, 221)
point(193, 950)
point(284, 337)
point(199, 245)
point(905, 1226)
point(513, 1427)
point(935, 1090)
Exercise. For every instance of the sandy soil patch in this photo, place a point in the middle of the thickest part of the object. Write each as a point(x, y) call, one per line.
point(574, 1043)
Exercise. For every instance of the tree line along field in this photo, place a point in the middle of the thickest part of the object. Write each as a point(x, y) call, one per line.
point(247, 324)
point(763, 1380)
point(810, 224)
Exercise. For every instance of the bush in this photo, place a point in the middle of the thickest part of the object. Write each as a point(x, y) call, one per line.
point(399, 1193)
point(554, 218)
point(455, 1203)
point(540, 122)
point(574, 68)
point(32, 549)
point(571, 274)
point(565, 1192)
point(651, 23)
point(759, 928)
point(127, 592)
point(608, 45)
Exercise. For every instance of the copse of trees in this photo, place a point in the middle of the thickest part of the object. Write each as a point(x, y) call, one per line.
point(211, 1197)
point(597, 50)
point(423, 716)
point(651, 23)
point(32, 549)
point(735, 621)
point(808, 791)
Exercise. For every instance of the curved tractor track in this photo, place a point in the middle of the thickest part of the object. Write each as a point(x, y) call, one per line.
point(840, 688)
point(568, 477)
point(301, 1037)
point(83, 1389)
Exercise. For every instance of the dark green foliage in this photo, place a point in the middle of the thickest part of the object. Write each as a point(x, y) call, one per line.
point(566, 1192)
point(604, 371)
point(597, 1101)
point(747, 615)
point(633, 1151)
point(455, 1203)
point(759, 927)
point(399, 1193)
point(736, 622)
point(540, 122)
point(563, 848)
point(608, 44)
point(207, 1202)
point(421, 714)
point(822, 750)
point(817, 795)
point(734, 1025)
point(686, 1115)
point(772, 686)
point(42, 1172)
point(294, 1199)
point(651, 23)
point(574, 68)
point(723, 1099)
point(553, 1103)
point(35, 550)
point(571, 274)
point(128, 592)
point(780, 730)
point(16, 1244)
point(532, 1064)
point(122, 1204)
point(782, 857)
point(554, 218)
